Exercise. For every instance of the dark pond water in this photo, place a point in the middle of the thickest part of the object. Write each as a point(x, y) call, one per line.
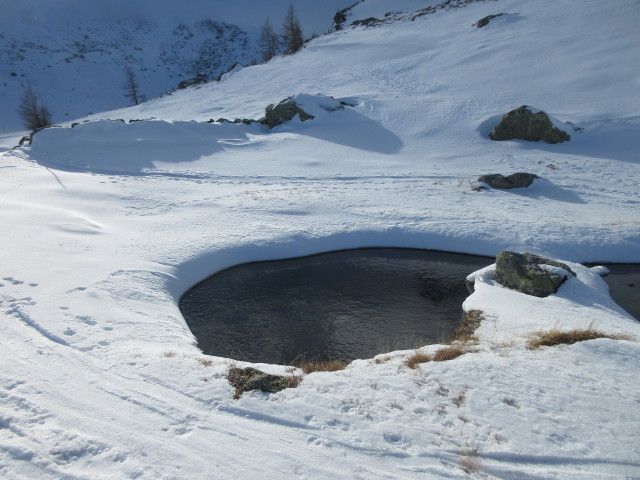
point(341, 305)
point(344, 305)
point(624, 282)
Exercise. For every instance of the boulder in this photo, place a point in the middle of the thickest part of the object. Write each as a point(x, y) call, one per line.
point(245, 379)
point(515, 180)
point(530, 274)
point(192, 81)
point(283, 112)
point(366, 22)
point(525, 123)
point(306, 106)
point(483, 22)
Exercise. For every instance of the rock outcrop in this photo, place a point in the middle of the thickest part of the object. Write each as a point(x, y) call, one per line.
point(307, 107)
point(245, 379)
point(530, 274)
point(483, 22)
point(515, 180)
point(283, 112)
point(525, 123)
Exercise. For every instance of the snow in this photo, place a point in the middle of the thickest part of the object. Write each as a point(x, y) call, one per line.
point(107, 223)
point(74, 52)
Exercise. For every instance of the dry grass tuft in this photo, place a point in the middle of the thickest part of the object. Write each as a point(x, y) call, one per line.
point(293, 380)
point(322, 366)
point(469, 322)
point(459, 399)
point(205, 362)
point(169, 354)
point(417, 358)
point(381, 360)
point(449, 353)
point(557, 337)
point(470, 460)
point(442, 355)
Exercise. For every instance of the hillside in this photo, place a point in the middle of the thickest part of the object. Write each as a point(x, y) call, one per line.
point(75, 52)
point(110, 218)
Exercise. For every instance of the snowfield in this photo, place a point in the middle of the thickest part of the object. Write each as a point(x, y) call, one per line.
point(107, 223)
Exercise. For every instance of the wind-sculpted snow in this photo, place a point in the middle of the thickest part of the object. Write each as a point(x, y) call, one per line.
point(108, 223)
point(145, 146)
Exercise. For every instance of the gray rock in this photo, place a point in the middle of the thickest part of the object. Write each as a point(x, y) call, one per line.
point(515, 180)
point(283, 112)
point(192, 81)
point(524, 124)
point(526, 273)
point(366, 22)
point(483, 22)
point(245, 379)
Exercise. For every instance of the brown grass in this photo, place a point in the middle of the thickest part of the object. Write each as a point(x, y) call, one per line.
point(322, 366)
point(470, 460)
point(205, 362)
point(449, 353)
point(459, 399)
point(417, 358)
point(442, 355)
point(293, 380)
point(169, 354)
point(557, 337)
point(469, 322)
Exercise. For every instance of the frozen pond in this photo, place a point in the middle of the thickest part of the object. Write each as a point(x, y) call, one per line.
point(624, 282)
point(340, 305)
point(344, 305)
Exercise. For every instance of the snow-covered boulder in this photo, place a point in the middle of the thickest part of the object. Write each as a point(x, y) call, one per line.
point(530, 274)
point(305, 106)
point(515, 180)
point(527, 123)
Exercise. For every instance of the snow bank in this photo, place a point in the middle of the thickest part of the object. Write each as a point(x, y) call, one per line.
point(107, 223)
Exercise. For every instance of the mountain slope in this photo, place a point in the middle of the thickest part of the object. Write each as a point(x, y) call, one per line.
point(75, 52)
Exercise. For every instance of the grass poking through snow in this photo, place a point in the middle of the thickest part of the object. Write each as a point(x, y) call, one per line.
point(326, 366)
point(442, 355)
point(470, 460)
point(558, 337)
point(417, 358)
point(469, 323)
point(450, 352)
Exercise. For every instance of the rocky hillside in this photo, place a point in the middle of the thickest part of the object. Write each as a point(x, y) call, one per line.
point(75, 52)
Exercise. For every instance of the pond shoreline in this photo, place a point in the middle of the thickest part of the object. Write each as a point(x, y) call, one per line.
point(288, 294)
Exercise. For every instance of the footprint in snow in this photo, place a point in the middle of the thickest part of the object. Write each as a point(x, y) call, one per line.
point(392, 438)
point(87, 319)
point(77, 289)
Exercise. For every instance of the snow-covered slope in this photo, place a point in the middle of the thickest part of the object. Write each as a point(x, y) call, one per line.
point(74, 52)
point(107, 223)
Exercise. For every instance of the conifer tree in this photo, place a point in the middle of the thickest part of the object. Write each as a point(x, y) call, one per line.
point(130, 86)
point(339, 18)
point(34, 116)
point(268, 41)
point(291, 31)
